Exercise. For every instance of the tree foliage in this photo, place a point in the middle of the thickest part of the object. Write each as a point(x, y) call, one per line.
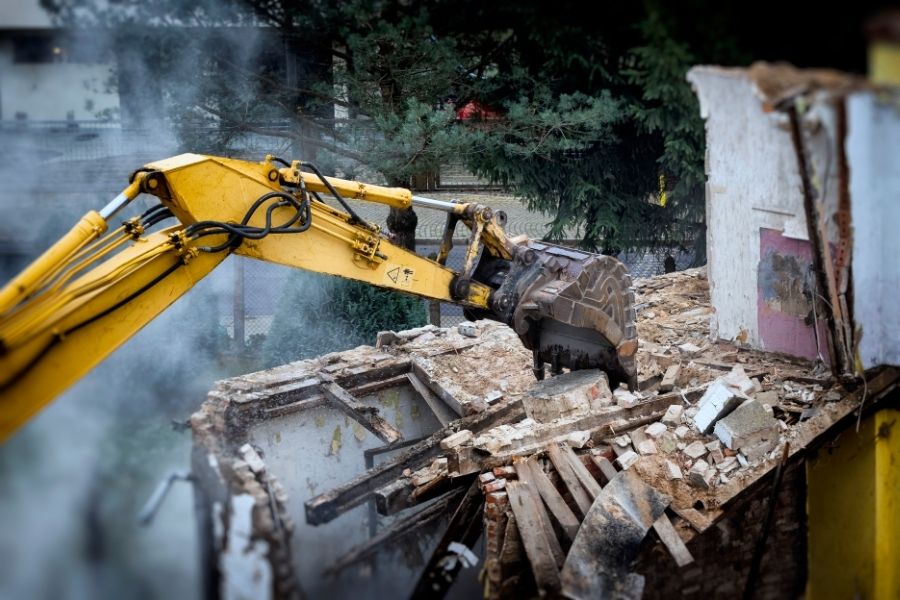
point(318, 314)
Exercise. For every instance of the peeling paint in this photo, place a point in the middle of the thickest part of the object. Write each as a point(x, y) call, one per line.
point(336, 442)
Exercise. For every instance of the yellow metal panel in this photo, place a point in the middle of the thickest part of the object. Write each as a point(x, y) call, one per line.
point(68, 359)
point(887, 503)
point(884, 63)
point(852, 488)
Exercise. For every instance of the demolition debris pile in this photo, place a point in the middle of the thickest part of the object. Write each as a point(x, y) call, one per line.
point(564, 477)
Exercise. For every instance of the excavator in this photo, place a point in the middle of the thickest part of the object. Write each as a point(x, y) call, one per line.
point(95, 287)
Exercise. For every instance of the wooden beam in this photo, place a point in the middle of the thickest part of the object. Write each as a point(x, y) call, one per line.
point(531, 530)
point(465, 528)
point(530, 472)
point(584, 476)
point(672, 541)
point(325, 507)
point(367, 416)
point(606, 467)
point(570, 479)
point(402, 527)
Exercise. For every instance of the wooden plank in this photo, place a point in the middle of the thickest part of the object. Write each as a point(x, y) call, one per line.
point(367, 416)
point(443, 412)
point(529, 471)
point(673, 542)
point(606, 467)
point(531, 530)
point(570, 479)
point(549, 533)
point(581, 472)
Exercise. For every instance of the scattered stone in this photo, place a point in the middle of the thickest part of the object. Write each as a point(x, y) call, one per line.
point(681, 445)
point(832, 396)
point(695, 450)
point(748, 425)
point(578, 439)
point(646, 447)
point(572, 394)
point(689, 349)
point(758, 451)
point(625, 399)
point(468, 329)
point(504, 471)
point(690, 413)
point(459, 438)
point(673, 471)
point(701, 475)
point(737, 378)
point(718, 400)
point(253, 459)
point(723, 479)
point(655, 430)
point(494, 486)
point(670, 379)
point(768, 397)
point(385, 338)
point(742, 460)
point(809, 413)
point(627, 459)
point(493, 396)
point(714, 445)
point(486, 477)
point(667, 442)
point(622, 441)
point(716, 456)
point(681, 431)
point(673, 415)
point(729, 463)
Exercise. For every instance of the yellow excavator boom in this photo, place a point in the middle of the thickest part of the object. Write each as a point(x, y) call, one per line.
point(93, 290)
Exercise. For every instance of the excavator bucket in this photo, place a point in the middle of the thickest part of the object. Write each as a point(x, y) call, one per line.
point(573, 309)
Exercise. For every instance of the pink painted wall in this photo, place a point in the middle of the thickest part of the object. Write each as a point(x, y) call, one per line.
point(784, 306)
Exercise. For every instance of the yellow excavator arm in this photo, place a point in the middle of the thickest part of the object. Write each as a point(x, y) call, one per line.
point(94, 289)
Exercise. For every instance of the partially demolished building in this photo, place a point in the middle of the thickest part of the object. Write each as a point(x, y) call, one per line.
point(753, 457)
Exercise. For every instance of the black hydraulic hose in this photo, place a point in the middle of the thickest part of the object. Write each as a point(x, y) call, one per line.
point(354, 218)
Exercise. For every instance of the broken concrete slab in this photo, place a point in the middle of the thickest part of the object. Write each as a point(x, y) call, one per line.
point(654, 430)
point(570, 394)
point(695, 449)
point(719, 400)
point(748, 425)
point(457, 439)
point(627, 459)
point(670, 379)
point(673, 415)
point(673, 471)
point(701, 475)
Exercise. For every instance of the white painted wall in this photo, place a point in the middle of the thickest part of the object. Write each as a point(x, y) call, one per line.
point(873, 151)
point(51, 91)
point(752, 182)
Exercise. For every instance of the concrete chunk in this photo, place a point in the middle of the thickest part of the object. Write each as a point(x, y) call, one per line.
point(655, 430)
point(253, 459)
point(718, 400)
point(695, 450)
point(646, 447)
point(625, 399)
point(571, 394)
point(457, 439)
point(701, 475)
point(673, 415)
point(748, 425)
point(673, 471)
point(681, 431)
point(627, 459)
point(468, 329)
point(670, 379)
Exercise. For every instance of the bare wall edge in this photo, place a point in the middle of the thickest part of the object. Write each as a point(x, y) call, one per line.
point(758, 245)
